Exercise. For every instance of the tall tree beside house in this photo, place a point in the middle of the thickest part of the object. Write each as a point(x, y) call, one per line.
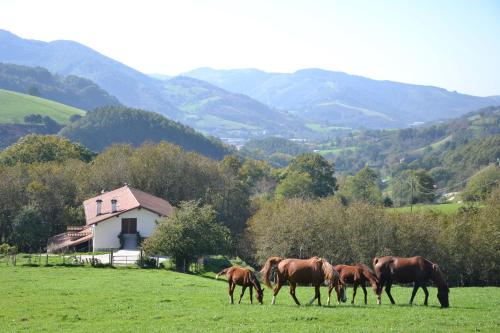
point(28, 231)
point(190, 232)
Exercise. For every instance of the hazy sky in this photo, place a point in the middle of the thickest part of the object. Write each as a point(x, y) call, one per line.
point(453, 44)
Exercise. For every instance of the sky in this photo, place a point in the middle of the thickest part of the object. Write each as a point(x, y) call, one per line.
point(453, 44)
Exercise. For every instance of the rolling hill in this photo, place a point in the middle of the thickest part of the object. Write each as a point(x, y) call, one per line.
point(221, 113)
point(71, 90)
point(198, 104)
point(112, 125)
point(14, 106)
point(339, 99)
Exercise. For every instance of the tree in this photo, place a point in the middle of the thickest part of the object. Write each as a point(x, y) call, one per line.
point(319, 169)
point(295, 185)
point(35, 148)
point(28, 229)
point(190, 232)
point(34, 91)
point(363, 187)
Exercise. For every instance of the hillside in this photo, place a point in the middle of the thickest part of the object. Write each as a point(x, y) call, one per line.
point(15, 106)
point(198, 104)
point(63, 57)
point(106, 126)
point(338, 99)
point(71, 90)
point(276, 151)
point(451, 150)
point(221, 113)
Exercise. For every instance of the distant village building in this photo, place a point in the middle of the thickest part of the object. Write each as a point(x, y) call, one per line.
point(114, 220)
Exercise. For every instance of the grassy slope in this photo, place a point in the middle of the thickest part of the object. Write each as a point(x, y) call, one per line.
point(14, 106)
point(131, 300)
point(448, 208)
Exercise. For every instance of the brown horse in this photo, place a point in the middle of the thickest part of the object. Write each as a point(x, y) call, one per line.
point(406, 270)
point(313, 271)
point(357, 275)
point(245, 278)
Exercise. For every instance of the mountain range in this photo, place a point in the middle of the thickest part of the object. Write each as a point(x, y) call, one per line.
point(249, 103)
point(339, 99)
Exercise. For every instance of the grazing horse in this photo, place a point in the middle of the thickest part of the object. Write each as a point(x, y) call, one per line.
point(357, 275)
point(313, 271)
point(406, 270)
point(242, 277)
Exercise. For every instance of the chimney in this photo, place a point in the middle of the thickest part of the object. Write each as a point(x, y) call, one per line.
point(98, 205)
point(113, 205)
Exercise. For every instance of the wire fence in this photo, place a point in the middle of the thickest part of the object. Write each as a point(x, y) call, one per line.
point(98, 259)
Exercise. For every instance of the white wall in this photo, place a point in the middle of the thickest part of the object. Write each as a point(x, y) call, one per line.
point(106, 232)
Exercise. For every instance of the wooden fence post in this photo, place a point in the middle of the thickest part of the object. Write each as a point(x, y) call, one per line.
point(111, 258)
point(47, 259)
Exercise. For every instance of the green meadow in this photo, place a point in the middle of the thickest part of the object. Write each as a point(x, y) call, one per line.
point(83, 299)
point(14, 106)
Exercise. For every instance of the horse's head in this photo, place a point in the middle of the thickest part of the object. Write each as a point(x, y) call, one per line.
point(341, 291)
point(260, 295)
point(443, 297)
point(443, 290)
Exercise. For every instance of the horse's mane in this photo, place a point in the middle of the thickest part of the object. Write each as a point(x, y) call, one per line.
point(330, 275)
point(438, 277)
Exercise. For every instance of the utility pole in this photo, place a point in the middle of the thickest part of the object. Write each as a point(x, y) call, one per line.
point(411, 202)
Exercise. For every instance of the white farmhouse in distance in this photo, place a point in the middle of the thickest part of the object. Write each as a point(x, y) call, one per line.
point(114, 220)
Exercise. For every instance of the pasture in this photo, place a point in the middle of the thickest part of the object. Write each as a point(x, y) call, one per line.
point(14, 106)
point(83, 299)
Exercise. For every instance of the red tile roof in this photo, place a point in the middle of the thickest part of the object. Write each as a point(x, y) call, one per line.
point(127, 198)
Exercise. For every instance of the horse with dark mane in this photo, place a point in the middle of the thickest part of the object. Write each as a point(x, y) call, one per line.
point(245, 278)
point(312, 271)
point(357, 275)
point(416, 270)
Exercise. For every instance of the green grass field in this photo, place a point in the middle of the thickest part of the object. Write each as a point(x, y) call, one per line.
point(83, 299)
point(448, 208)
point(14, 106)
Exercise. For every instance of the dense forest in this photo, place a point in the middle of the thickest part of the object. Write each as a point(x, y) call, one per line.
point(71, 90)
point(104, 126)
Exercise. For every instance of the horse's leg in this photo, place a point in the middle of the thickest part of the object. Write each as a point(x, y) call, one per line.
point(251, 294)
point(354, 289)
point(364, 290)
point(388, 291)
point(293, 285)
point(318, 294)
point(243, 288)
point(426, 292)
point(414, 292)
point(276, 290)
point(231, 291)
point(330, 287)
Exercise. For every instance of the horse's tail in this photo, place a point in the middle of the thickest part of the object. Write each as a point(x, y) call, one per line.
point(266, 270)
point(224, 271)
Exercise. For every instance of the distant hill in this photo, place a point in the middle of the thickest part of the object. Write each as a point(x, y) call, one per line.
point(106, 126)
point(339, 99)
point(15, 106)
point(277, 151)
point(198, 104)
point(221, 113)
point(63, 57)
point(450, 150)
point(71, 90)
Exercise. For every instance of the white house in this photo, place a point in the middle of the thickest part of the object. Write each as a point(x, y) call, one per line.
point(114, 220)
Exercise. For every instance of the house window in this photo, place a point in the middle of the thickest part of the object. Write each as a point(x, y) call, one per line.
point(129, 226)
